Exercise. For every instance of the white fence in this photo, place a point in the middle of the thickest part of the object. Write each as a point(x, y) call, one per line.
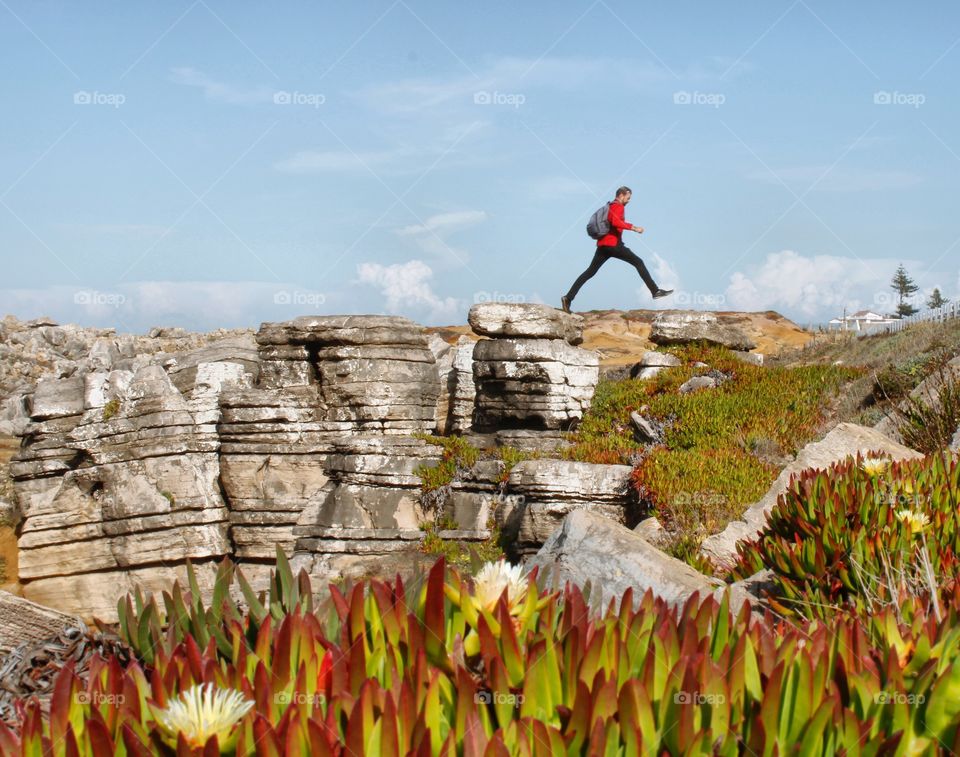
point(936, 315)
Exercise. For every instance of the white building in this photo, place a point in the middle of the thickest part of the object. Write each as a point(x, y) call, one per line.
point(862, 320)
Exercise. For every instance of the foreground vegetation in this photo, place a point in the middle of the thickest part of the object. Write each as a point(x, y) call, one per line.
point(496, 666)
point(722, 447)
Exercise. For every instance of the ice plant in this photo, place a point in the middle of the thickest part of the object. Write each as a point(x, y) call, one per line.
point(875, 466)
point(203, 711)
point(493, 578)
point(914, 520)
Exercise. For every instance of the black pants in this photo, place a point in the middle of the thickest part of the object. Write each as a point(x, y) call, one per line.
point(601, 256)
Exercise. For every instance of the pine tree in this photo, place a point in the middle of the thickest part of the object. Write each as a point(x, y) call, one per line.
point(903, 285)
point(936, 300)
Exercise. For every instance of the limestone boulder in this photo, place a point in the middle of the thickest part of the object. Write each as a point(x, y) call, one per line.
point(843, 441)
point(26, 622)
point(588, 547)
point(525, 321)
point(686, 326)
point(545, 491)
point(532, 383)
point(695, 383)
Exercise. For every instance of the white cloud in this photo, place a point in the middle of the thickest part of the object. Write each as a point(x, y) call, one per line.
point(819, 286)
point(215, 90)
point(445, 223)
point(406, 286)
point(663, 273)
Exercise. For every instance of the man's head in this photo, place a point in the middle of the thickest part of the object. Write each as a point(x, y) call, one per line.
point(623, 195)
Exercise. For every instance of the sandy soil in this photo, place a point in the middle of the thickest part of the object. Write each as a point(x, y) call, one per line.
point(8, 539)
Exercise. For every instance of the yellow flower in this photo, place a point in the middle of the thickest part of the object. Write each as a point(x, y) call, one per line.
point(913, 519)
point(493, 578)
point(203, 711)
point(875, 465)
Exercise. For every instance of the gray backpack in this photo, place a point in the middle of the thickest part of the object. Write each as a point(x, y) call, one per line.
point(599, 224)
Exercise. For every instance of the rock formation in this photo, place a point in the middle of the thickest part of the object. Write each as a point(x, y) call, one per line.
point(530, 375)
point(685, 326)
point(590, 547)
point(304, 436)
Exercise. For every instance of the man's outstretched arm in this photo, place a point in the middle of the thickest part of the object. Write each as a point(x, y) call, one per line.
point(619, 222)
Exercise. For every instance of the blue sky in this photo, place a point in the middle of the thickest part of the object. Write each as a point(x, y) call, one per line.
point(211, 164)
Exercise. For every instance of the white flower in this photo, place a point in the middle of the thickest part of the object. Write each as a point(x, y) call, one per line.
point(913, 519)
point(493, 578)
point(875, 465)
point(203, 711)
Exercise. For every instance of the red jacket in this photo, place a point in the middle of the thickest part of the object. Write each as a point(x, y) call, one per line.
point(618, 226)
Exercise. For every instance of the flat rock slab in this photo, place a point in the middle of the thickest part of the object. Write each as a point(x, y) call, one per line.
point(343, 330)
point(589, 547)
point(697, 382)
point(845, 440)
point(655, 359)
point(23, 621)
point(525, 320)
point(685, 326)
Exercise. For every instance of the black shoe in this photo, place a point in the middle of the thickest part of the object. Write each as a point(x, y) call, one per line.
point(661, 293)
point(565, 304)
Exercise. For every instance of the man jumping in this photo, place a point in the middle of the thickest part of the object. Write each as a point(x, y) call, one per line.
point(611, 246)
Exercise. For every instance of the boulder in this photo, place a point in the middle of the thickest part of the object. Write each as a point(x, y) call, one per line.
point(753, 358)
point(926, 392)
point(685, 326)
point(591, 548)
point(525, 321)
point(955, 444)
point(845, 440)
point(697, 382)
point(58, 398)
point(544, 384)
point(653, 358)
point(749, 590)
point(545, 491)
point(645, 430)
point(649, 529)
point(26, 622)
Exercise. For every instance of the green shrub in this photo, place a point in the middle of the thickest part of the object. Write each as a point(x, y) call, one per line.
point(111, 409)
point(697, 492)
point(928, 424)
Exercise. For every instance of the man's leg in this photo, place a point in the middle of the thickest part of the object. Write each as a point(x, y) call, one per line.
point(599, 258)
point(625, 253)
